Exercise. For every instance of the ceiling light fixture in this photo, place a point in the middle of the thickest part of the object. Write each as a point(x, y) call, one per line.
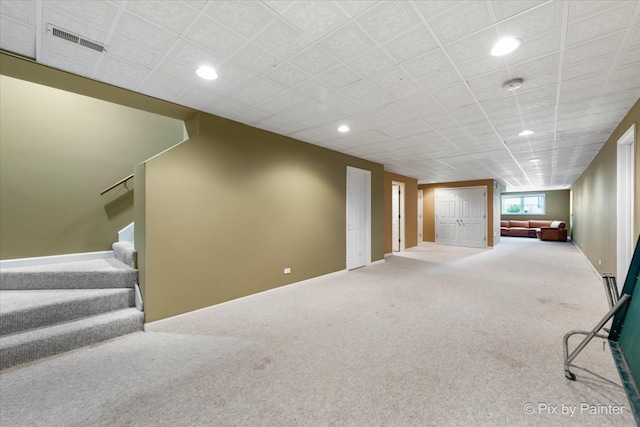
point(512, 85)
point(526, 133)
point(505, 46)
point(343, 128)
point(206, 72)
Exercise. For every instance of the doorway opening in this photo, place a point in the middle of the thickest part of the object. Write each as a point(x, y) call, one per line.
point(397, 216)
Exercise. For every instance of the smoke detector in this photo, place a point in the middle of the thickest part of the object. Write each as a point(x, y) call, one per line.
point(512, 85)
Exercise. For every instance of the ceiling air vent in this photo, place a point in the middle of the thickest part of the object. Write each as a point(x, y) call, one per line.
point(66, 35)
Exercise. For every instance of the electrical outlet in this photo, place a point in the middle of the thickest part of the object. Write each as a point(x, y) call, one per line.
point(599, 262)
point(287, 270)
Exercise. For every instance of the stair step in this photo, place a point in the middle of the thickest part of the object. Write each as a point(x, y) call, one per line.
point(44, 342)
point(91, 274)
point(125, 252)
point(24, 310)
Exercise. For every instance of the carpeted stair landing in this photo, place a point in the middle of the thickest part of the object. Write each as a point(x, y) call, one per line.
point(50, 309)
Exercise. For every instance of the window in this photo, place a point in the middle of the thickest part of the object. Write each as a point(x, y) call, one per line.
point(523, 204)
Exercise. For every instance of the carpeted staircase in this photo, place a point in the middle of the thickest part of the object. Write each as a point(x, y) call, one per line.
point(53, 308)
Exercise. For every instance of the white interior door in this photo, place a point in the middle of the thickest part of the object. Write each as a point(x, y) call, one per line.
point(358, 218)
point(473, 217)
point(447, 222)
point(461, 218)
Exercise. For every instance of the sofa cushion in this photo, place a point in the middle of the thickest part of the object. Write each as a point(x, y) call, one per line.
point(519, 224)
point(504, 223)
point(538, 223)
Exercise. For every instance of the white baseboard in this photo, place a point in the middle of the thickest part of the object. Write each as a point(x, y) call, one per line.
point(380, 261)
point(55, 259)
point(151, 326)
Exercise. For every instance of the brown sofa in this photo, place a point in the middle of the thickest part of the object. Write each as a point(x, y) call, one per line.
point(543, 230)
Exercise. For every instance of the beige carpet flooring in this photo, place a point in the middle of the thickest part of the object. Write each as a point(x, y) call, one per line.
point(435, 336)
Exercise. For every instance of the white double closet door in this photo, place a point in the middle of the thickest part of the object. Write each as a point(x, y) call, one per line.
point(461, 216)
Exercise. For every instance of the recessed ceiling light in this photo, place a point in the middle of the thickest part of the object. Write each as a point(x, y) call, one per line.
point(207, 73)
point(343, 128)
point(526, 133)
point(513, 84)
point(505, 46)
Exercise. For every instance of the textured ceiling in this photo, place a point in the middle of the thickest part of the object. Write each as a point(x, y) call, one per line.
point(414, 80)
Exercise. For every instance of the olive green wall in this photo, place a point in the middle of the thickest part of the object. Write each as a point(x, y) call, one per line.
point(58, 151)
point(557, 207)
point(410, 210)
point(594, 200)
point(226, 211)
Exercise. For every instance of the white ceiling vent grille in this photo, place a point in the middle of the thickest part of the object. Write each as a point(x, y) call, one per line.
point(73, 38)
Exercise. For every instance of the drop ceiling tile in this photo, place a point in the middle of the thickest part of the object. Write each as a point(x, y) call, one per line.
point(98, 14)
point(376, 100)
point(453, 96)
point(339, 77)
point(507, 8)
point(371, 62)
point(432, 8)
point(593, 49)
point(282, 39)
point(314, 60)
point(584, 9)
point(599, 25)
point(314, 89)
point(233, 74)
point(212, 36)
point(439, 79)
point(130, 73)
point(255, 58)
point(411, 44)
point(287, 75)
point(246, 96)
point(481, 66)
point(502, 106)
point(67, 56)
point(393, 112)
point(312, 135)
point(594, 66)
point(283, 102)
point(426, 64)
point(629, 57)
point(280, 125)
point(311, 113)
point(538, 47)
point(23, 11)
point(265, 87)
point(538, 66)
point(389, 78)
point(461, 21)
point(478, 45)
point(250, 115)
point(72, 25)
point(360, 89)
point(143, 33)
point(315, 18)
point(193, 56)
point(355, 7)
point(530, 25)
point(347, 42)
point(162, 86)
point(224, 107)
point(124, 49)
point(245, 17)
point(197, 98)
point(386, 20)
point(168, 14)
point(405, 91)
point(17, 38)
